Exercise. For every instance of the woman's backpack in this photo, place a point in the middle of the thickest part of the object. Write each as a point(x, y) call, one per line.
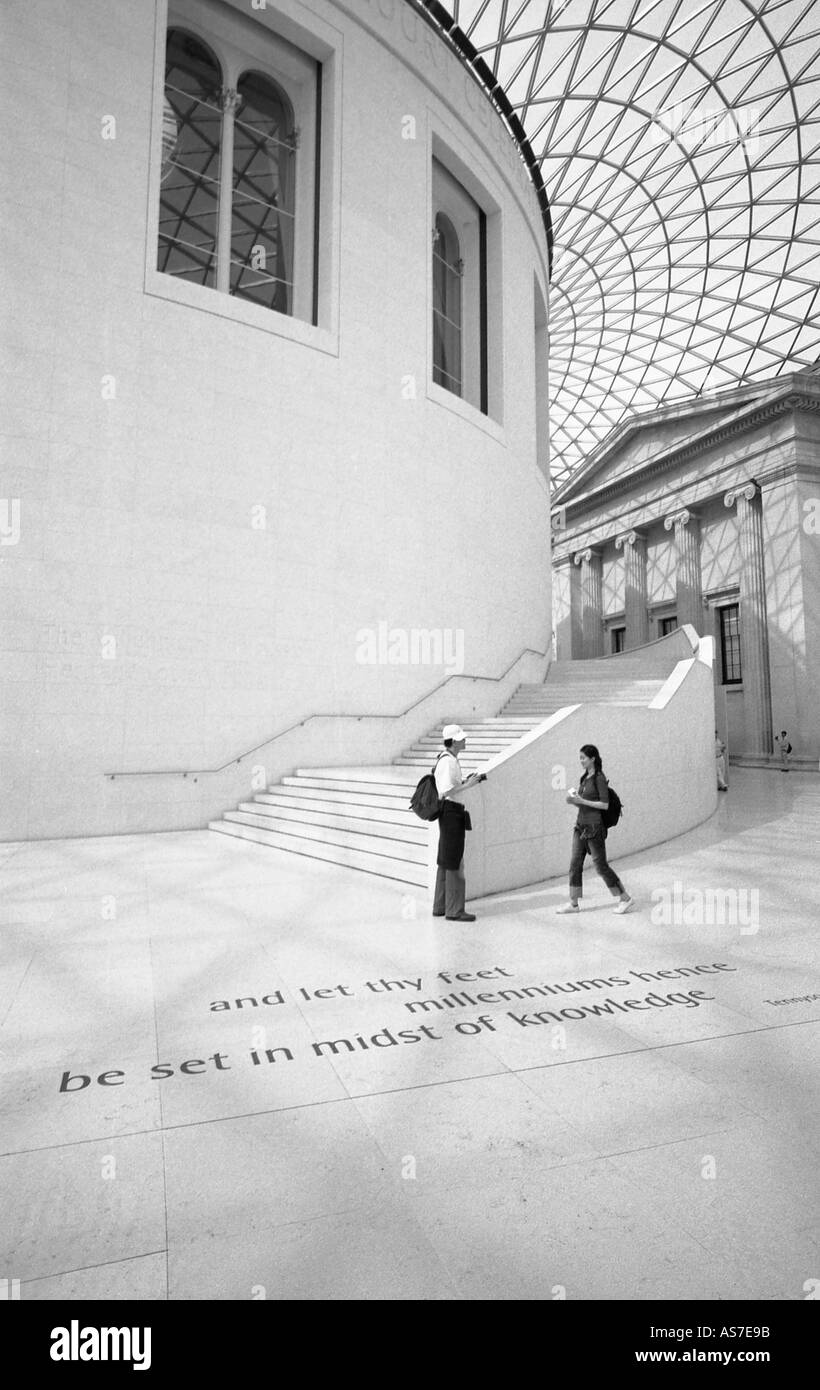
point(614, 810)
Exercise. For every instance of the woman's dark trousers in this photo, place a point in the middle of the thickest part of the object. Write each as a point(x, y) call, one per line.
point(595, 847)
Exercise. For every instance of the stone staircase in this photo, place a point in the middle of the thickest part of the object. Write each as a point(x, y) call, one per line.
point(360, 816)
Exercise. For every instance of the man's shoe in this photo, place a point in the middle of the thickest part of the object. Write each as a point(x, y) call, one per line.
point(436, 914)
point(624, 906)
point(568, 907)
point(463, 917)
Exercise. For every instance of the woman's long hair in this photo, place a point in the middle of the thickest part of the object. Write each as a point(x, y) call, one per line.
point(590, 751)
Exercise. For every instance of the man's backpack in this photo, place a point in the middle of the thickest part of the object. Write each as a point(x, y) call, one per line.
point(614, 810)
point(425, 799)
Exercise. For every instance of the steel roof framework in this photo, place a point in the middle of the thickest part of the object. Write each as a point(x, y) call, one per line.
point(679, 142)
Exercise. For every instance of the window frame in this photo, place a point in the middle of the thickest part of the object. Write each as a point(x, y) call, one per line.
point(721, 609)
point(455, 268)
point(228, 23)
point(469, 222)
point(466, 166)
point(299, 79)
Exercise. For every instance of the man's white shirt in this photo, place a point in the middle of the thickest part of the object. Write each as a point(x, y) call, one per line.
point(448, 774)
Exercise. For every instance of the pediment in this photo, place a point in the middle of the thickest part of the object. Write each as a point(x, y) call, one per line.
point(638, 440)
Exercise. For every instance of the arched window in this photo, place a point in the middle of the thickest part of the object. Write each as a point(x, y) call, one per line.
point(264, 182)
point(447, 325)
point(191, 139)
point(239, 181)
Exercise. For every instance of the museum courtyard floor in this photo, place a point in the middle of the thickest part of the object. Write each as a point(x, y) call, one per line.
point(233, 1073)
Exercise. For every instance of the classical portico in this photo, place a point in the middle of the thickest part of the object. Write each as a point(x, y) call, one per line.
point(701, 514)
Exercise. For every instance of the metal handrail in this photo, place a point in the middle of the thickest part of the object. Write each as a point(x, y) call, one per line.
point(234, 762)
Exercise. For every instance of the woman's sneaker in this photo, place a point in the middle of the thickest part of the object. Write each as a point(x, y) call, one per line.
point(568, 907)
point(624, 906)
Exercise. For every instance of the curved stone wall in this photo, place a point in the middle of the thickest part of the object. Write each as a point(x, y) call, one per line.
point(207, 540)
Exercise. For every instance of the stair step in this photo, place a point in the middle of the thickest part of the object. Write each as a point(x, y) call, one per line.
point(365, 820)
point(550, 707)
point(381, 865)
point(399, 788)
point(560, 686)
point(505, 728)
point(411, 832)
point(574, 697)
point(637, 684)
point(475, 741)
point(355, 794)
point(371, 775)
point(478, 755)
point(423, 764)
point(346, 839)
point(385, 815)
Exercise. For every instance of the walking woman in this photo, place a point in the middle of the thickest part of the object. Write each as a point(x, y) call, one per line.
point(589, 835)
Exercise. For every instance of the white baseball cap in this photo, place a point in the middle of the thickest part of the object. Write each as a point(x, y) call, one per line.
point(452, 731)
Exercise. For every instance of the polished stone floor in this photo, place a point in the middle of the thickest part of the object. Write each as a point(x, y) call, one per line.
point(369, 1127)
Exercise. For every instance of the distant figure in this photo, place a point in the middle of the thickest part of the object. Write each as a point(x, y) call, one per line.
point(720, 762)
point(782, 740)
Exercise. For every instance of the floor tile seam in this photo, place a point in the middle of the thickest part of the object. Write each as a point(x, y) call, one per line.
point(347, 1098)
point(666, 1143)
point(99, 1264)
point(328, 1216)
point(311, 1033)
point(396, 1090)
point(734, 1258)
point(660, 1047)
point(407, 1204)
point(161, 1121)
point(20, 984)
point(280, 1109)
point(14, 849)
point(404, 1205)
point(509, 1070)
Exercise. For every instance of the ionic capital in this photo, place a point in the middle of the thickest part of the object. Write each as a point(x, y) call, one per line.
point(584, 557)
point(678, 519)
point(748, 491)
point(628, 538)
point(229, 99)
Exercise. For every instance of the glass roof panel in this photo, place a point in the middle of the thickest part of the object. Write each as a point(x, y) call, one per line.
point(679, 143)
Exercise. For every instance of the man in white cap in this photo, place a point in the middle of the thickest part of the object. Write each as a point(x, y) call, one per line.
point(454, 821)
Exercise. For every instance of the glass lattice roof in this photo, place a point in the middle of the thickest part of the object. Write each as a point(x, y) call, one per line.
point(679, 142)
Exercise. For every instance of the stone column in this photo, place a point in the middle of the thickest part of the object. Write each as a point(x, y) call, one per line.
point(592, 615)
point(754, 632)
point(564, 604)
point(689, 598)
point(637, 616)
point(230, 101)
